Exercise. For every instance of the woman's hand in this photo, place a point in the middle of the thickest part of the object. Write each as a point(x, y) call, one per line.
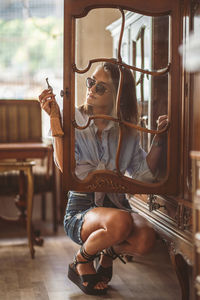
point(162, 122)
point(48, 103)
point(158, 142)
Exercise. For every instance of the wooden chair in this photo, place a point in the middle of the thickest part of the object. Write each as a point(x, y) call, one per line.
point(25, 167)
point(20, 123)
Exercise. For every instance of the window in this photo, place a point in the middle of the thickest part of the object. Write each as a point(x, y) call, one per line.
point(31, 38)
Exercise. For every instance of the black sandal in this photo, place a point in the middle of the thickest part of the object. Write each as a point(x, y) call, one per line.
point(106, 273)
point(91, 279)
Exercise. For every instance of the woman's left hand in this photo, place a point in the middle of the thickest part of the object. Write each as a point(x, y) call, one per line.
point(162, 122)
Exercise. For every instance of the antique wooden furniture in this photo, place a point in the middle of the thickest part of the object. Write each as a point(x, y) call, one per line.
point(168, 202)
point(16, 156)
point(73, 13)
point(26, 168)
point(21, 139)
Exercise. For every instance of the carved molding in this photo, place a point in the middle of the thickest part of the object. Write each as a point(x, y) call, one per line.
point(177, 241)
point(107, 182)
point(171, 247)
point(174, 250)
point(183, 217)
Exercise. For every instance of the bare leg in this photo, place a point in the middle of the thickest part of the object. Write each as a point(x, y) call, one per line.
point(105, 227)
point(140, 241)
point(102, 228)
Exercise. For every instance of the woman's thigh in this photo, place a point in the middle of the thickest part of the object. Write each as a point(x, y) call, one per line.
point(77, 206)
point(142, 238)
point(111, 219)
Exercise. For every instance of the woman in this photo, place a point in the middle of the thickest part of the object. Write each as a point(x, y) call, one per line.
point(104, 224)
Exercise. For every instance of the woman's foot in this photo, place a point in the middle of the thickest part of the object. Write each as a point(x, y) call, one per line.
point(105, 267)
point(88, 268)
point(83, 274)
point(106, 261)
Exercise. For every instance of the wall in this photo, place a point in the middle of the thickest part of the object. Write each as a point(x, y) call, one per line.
point(93, 25)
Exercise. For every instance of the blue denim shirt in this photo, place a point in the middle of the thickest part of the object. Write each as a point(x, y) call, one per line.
point(92, 154)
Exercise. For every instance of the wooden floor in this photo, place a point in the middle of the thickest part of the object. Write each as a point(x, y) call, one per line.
point(45, 277)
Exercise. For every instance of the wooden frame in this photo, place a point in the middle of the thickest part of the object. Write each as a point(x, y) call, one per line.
point(107, 180)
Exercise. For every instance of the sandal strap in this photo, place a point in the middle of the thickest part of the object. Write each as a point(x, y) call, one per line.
point(111, 253)
point(88, 257)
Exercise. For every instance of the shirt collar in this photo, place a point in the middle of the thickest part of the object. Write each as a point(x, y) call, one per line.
point(111, 124)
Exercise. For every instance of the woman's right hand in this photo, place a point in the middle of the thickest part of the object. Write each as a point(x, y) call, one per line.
point(48, 103)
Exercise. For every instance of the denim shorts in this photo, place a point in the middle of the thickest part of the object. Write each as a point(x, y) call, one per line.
point(78, 205)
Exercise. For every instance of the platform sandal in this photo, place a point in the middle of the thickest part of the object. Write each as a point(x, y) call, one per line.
point(106, 273)
point(91, 279)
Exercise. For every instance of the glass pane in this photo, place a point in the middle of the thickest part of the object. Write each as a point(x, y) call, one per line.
point(106, 143)
point(93, 39)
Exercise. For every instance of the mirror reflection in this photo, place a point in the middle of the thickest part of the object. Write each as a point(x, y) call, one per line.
point(130, 147)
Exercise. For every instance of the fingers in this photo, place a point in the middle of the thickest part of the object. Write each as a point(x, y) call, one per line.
point(46, 96)
point(162, 118)
point(162, 122)
point(45, 99)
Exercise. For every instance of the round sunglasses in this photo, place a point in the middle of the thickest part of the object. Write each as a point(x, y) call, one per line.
point(99, 88)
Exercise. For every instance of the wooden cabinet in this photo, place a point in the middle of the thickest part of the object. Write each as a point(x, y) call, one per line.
point(148, 44)
point(81, 18)
point(173, 216)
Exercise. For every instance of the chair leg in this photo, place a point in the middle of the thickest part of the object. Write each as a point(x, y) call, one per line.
point(54, 209)
point(54, 206)
point(43, 206)
point(54, 200)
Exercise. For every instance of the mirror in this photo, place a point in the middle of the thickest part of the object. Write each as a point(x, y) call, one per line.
point(121, 88)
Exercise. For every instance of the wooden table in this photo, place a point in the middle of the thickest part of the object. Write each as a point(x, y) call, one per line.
point(22, 153)
point(26, 167)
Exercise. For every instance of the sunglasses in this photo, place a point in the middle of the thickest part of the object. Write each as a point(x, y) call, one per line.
point(99, 88)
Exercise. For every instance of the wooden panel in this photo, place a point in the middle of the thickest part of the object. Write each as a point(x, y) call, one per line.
point(34, 122)
point(12, 123)
point(196, 113)
point(23, 123)
point(3, 124)
point(20, 121)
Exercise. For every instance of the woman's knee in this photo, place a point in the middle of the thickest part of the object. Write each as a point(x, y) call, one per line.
point(120, 225)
